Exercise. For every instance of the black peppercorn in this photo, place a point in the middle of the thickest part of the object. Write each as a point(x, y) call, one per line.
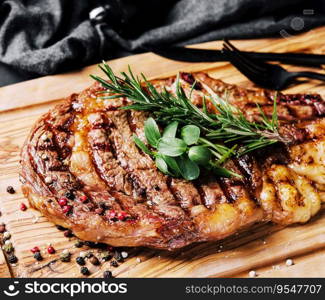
point(106, 255)
point(114, 263)
point(94, 260)
point(90, 244)
point(80, 261)
point(65, 256)
point(107, 274)
point(118, 256)
point(12, 259)
point(68, 233)
point(79, 244)
point(2, 228)
point(70, 195)
point(84, 271)
point(10, 190)
point(61, 228)
point(38, 256)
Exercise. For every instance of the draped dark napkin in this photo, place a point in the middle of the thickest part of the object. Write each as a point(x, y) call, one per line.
point(43, 37)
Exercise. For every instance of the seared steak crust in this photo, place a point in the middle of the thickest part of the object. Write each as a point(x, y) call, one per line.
point(82, 170)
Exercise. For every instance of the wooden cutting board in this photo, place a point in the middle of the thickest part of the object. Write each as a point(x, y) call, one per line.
point(263, 248)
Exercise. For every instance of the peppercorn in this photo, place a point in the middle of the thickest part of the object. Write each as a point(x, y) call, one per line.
point(61, 228)
point(38, 256)
point(6, 236)
point(63, 201)
point(70, 195)
point(84, 271)
point(65, 257)
point(83, 198)
point(35, 249)
point(2, 228)
point(10, 190)
point(90, 244)
point(106, 255)
point(122, 215)
point(114, 263)
point(8, 248)
point(67, 209)
point(68, 233)
point(23, 207)
point(12, 259)
point(118, 256)
point(94, 260)
point(80, 261)
point(79, 244)
point(50, 250)
point(107, 274)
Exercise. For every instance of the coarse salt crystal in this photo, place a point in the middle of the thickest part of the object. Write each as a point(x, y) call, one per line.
point(6, 235)
point(289, 262)
point(83, 254)
point(252, 274)
point(48, 179)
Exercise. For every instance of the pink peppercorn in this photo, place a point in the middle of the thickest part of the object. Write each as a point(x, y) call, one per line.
point(122, 215)
point(35, 249)
point(83, 198)
point(66, 208)
point(23, 207)
point(50, 250)
point(63, 201)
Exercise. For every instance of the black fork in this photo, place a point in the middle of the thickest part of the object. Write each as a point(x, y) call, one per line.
point(266, 75)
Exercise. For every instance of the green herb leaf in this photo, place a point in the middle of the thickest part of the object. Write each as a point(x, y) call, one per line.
point(171, 146)
point(170, 130)
point(172, 165)
point(161, 165)
point(141, 145)
point(190, 134)
point(152, 132)
point(200, 155)
point(188, 168)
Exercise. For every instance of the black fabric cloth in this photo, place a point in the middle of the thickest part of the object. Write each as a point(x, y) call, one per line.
point(48, 36)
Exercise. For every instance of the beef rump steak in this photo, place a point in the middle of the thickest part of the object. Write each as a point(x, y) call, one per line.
point(82, 170)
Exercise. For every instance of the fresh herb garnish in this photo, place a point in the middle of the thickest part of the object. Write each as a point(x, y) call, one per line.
point(206, 140)
point(178, 156)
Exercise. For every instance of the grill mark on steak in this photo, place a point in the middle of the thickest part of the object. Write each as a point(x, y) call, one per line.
point(143, 168)
point(252, 174)
point(210, 191)
point(232, 187)
point(184, 192)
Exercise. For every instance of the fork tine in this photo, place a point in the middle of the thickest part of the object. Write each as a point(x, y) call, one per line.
point(257, 65)
point(241, 61)
point(251, 74)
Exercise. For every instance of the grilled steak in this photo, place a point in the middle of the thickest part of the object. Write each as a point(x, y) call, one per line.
point(82, 170)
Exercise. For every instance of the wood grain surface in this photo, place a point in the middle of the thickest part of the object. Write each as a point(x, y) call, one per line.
point(263, 248)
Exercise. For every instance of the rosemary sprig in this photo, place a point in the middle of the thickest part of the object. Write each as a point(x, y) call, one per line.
point(221, 132)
